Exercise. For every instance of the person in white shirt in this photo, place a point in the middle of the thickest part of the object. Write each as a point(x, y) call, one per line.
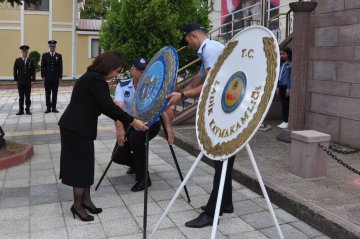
point(194, 37)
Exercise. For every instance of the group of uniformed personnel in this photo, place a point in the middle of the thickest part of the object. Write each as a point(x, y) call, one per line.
point(25, 75)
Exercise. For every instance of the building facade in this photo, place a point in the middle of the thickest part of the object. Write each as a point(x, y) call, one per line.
point(333, 84)
point(34, 25)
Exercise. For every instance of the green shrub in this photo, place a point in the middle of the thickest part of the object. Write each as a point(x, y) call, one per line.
point(36, 57)
point(143, 27)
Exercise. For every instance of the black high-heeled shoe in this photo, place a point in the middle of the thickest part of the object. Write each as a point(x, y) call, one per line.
point(85, 218)
point(95, 210)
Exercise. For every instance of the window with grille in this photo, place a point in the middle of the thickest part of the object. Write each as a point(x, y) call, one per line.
point(95, 48)
point(40, 5)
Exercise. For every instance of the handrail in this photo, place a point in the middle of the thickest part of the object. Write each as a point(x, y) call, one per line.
point(237, 11)
point(287, 21)
point(189, 64)
point(223, 34)
point(278, 7)
point(277, 16)
point(181, 48)
point(234, 21)
point(223, 25)
point(181, 82)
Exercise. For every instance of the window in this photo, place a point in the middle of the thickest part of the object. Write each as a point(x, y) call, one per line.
point(40, 5)
point(95, 49)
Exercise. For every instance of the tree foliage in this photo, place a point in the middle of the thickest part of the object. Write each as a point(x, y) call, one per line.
point(143, 27)
point(95, 9)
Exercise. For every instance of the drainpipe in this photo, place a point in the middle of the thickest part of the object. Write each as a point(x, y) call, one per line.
point(22, 23)
point(73, 53)
point(263, 13)
point(50, 19)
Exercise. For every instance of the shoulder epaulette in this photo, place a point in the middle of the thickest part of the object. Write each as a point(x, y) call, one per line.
point(124, 83)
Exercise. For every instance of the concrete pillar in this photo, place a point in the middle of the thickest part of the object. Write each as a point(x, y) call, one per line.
point(307, 159)
point(300, 47)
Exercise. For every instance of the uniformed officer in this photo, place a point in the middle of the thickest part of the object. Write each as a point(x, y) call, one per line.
point(51, 73)
point(132, 151)
point(24, 74)
point(194, 37)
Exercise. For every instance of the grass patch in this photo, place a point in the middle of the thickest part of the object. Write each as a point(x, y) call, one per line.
point(12, 148)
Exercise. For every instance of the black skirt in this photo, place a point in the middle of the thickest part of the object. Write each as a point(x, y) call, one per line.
point(77, 159)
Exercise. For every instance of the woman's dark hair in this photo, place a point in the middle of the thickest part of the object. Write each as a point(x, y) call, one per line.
point(288, 51)
point(107, 62)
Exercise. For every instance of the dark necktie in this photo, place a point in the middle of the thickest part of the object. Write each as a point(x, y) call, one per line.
point(24, 60)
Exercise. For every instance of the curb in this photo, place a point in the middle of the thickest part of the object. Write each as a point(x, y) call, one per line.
point(18, 158)
point(321, 219)
point(37, 84)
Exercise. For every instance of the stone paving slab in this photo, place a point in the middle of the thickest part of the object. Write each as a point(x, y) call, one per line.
point(34, 203)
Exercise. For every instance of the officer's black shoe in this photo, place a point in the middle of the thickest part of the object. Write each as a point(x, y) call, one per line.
point(55, 111)
point(47, 111)
point(20, 112)
point(28, 112)
point(130, 170)
point(228, 209)
point(203, 220)
point(140, 185)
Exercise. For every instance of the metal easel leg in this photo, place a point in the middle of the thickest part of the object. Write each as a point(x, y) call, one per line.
point(219, 199)
point(111, 160)
point(107, 167)
point(175, 159)
point(263, 189)
point(197, 160)
point(146, 183)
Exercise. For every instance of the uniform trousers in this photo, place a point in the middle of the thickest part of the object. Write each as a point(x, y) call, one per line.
point(51, 88)
point(226, 201)
point(132, 153)
point(24, 90)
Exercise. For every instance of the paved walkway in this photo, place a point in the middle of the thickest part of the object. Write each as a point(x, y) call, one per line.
point(34, 204)
point(330, 204)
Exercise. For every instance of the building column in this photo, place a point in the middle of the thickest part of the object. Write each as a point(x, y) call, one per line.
point(300, 59)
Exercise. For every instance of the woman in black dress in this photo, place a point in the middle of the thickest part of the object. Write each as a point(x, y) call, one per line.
point(78, 129)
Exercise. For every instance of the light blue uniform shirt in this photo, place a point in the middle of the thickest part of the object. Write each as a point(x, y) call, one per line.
point(208, 52)
point(125, 92)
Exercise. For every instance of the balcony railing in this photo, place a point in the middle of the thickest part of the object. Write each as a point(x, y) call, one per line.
point(279, 20)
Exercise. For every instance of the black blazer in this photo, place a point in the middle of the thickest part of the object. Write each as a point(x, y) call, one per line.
point(91, 97)
point(51, 67)
point(24, 73)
